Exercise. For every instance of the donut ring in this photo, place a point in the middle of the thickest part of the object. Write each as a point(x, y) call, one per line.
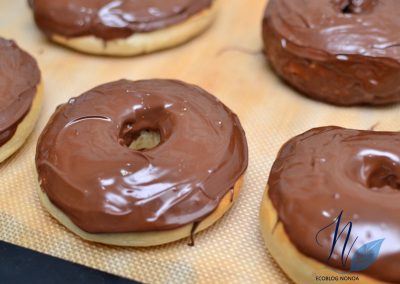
point(343, 52)
point(308, 188)
point(122, 28)
point(106, 192)
point(20, 97)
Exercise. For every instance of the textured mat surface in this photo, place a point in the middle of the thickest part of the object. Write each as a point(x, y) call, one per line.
point(226, 61)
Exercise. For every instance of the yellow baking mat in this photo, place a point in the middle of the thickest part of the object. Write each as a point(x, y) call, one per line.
point(225, 61)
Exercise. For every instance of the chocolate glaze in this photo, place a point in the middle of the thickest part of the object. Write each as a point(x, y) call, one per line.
point(112, 19)
point(326, 170)
point(88, 171)
point(19, 78)
point(338, 51)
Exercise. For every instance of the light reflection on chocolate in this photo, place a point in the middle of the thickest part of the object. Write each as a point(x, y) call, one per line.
point(88, 171)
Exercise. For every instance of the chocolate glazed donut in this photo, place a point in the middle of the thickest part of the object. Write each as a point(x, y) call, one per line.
point(19, 78)
point(122, 27)
point(110, 19)
point(20, 96)
point(344, 52)
point(326, 171)
point(88, 171)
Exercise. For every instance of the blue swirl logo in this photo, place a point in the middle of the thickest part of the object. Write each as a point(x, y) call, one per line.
point(362, 258)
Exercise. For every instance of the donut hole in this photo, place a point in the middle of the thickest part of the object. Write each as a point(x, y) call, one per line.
point(141, 140)
point(383, 176)
point(145, 139)
point(356, 6)
point(347, 9)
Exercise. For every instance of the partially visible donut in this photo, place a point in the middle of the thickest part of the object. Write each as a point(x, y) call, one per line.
point(344, 52)
point(329, 184)
point(122, 28)
point(20, 97)
point(94, 183)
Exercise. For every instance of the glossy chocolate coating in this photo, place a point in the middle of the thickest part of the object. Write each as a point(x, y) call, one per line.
point(19, 78)
point(112, 19)
point(338, 51)
point(88, 171)
point(326, 170)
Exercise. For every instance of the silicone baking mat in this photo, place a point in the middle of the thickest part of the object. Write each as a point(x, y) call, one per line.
point(227, 61)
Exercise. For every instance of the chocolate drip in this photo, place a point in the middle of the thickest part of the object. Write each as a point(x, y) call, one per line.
point(373, 127)
point(275, 225)
point(232, 191)
point(110, 19)
point(192, 233)
point(19, 77)
point(87, 169)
